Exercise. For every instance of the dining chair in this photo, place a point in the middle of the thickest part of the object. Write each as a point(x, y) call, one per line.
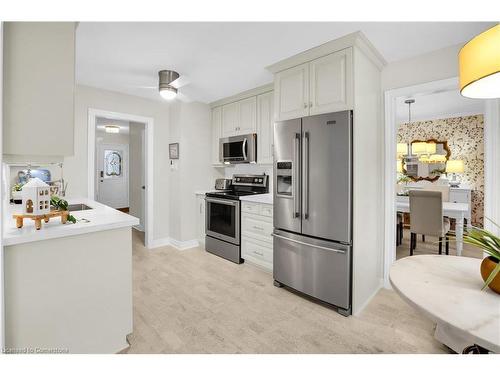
point(399, 228)
point(426, 218)
point(442, 188)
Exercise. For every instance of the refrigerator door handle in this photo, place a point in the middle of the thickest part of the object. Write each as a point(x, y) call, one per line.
point(305, 167)
point(307, 244)
point(295, 164)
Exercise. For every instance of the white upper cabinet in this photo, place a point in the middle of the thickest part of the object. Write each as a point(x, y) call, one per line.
point(331, 83)
point(265, 122)
point(291, 93)
point(38, 88)
point(230, 119)
point(247, 115)
point(239, 117)
point(322, 85)
point(216, 134)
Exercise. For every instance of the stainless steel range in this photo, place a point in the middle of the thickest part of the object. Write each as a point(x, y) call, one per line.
point(223, 215)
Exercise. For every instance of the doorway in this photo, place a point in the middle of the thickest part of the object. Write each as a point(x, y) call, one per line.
point(393, 135)
point(112, 166)
point(120, 165)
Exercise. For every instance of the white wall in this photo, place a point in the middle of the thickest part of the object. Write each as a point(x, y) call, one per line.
point(136, 171)
point(191, 128)
point(75, 167)
point(2, 321)
point(432, 66)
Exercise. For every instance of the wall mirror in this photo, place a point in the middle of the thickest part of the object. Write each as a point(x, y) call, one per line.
point(426, 163)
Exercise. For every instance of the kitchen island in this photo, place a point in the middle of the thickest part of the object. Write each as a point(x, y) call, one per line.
point(68, 287)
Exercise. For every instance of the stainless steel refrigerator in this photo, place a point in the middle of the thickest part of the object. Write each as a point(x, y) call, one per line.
point(313, 207)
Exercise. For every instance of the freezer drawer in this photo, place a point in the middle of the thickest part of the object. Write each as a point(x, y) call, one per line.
point(321, 269)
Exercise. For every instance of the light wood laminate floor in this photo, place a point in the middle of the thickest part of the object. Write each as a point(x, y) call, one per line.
point(191, 301)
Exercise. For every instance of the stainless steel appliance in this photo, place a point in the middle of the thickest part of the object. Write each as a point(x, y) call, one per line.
point(313, 207)
point(223, 183)
point(223, 215)
point(238, 149)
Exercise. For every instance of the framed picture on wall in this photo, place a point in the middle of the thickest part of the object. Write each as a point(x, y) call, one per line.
point(173, 149)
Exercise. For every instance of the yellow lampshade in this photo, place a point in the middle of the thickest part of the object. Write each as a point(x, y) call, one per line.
point(455, 166)
point(400, 166)
point(402, 149)
point(419, 148)
point(479, 65)
point(431, 148)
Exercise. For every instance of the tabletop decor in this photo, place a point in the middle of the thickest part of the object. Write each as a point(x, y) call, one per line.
point(58, 208)
point(490, 244)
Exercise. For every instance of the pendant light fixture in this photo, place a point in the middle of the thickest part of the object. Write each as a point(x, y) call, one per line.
point(409, 146)
point(166, 77)
point(479, 66)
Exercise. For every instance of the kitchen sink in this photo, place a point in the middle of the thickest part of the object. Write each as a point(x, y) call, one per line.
point(78, 207)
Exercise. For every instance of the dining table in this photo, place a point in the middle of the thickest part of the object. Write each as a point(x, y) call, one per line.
point(447, 289)
point(456, 211)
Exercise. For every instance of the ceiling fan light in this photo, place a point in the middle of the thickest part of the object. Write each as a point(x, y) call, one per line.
point(479, 65)
point(168, 92)
point(114, 129)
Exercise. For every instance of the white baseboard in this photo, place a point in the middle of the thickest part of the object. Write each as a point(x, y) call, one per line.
point(160, 242)
point(183, 245)
point(179, 245)
point(358, 311)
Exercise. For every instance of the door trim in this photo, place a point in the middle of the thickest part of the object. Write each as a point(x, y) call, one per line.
point(148, 122)
point(491, 156)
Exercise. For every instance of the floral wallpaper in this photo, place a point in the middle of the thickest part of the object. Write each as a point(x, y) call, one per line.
point(465, 136)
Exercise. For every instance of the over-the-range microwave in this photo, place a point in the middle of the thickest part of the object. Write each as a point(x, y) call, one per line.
point(238, 149)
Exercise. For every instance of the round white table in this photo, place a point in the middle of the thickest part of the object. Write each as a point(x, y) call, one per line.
point(447, 289)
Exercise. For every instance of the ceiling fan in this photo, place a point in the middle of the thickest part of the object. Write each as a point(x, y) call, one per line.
point(169, 83)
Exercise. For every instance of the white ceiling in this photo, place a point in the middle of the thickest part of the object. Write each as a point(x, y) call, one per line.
point(222, 59)
point(437, 105)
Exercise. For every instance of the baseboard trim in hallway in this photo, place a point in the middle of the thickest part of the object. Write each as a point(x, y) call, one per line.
point(179, 245)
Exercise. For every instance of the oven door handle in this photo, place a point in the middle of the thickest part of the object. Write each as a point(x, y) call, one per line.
point(244, 146)
point(221, 201)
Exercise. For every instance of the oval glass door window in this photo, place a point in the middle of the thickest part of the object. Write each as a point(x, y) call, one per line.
point(113, 160)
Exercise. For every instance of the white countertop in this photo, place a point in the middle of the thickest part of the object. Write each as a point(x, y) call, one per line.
point(258, 198)
point(100, 218)
point(448, 290)
point(202, 192)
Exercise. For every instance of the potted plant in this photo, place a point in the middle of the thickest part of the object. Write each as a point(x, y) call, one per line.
point(490, 244)
point(17, 195)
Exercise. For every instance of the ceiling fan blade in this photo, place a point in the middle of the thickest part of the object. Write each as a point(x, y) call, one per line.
point(179, 82)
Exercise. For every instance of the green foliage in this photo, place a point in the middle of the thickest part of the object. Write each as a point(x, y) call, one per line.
point(489, 243)
point(17, 187)
point(404, 179)
point(61, 204)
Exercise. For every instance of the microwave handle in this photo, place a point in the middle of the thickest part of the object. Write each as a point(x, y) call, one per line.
point(244, 146)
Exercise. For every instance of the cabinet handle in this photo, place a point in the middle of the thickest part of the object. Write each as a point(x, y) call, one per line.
point(258, 228)
point(305, 105)
point(256, 252)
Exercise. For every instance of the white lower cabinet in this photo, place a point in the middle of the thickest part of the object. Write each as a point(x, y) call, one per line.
point(200, 219)
point(256, 230)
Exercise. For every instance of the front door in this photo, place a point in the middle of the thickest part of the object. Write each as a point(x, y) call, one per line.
point(112, 175)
